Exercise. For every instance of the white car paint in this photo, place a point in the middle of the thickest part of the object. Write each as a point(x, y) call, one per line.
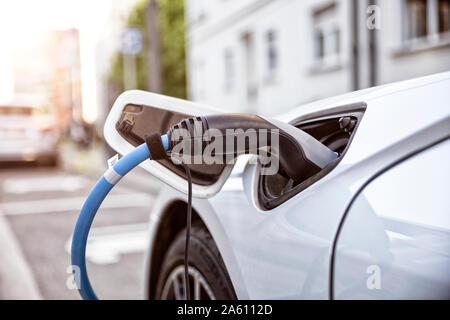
point(285, 252)
point(395, 241)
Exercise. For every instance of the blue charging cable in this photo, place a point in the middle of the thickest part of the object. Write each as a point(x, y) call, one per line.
point(90, 207)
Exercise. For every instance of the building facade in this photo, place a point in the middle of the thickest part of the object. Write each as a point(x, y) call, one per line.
point(268, 56)
point(49, 67)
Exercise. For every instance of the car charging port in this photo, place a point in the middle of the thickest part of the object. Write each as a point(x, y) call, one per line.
point(334, 131)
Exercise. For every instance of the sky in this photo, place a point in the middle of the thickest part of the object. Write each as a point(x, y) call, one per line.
point(26, 19)
point(24, 22)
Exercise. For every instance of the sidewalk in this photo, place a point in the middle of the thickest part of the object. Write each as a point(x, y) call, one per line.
point(16, 279)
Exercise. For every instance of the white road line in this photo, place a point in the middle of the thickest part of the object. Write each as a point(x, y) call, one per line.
point(68, 183)
point(107, 244)
point(131, 200)
point(17, 280)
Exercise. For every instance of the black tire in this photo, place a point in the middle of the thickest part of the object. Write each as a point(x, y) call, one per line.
point(203, 256)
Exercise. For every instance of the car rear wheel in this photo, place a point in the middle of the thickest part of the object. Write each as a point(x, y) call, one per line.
point(208, 278)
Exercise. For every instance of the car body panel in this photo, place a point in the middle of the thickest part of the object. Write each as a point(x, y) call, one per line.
point(285, 252)
point(395, 242)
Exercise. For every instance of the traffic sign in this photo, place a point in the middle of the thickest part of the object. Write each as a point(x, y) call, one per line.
point(131, 42)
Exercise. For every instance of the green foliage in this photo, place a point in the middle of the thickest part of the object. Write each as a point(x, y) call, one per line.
point(172, 46)
point(173, 59)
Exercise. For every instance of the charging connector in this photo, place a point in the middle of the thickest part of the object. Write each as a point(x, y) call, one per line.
point(299, 153)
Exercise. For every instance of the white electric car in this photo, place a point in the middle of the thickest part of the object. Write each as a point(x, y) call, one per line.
point(373, 224)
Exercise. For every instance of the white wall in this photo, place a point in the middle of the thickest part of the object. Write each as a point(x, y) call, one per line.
point(398, 62)
point(299, 79)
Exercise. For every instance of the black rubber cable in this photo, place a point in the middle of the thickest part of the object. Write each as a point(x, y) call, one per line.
point(187, 292)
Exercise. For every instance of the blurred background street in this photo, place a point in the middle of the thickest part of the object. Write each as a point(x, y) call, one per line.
point(40, 206)
point(64, 62)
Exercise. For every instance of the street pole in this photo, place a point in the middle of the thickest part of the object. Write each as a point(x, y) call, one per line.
point(154, 66)
point(131, 45)
point(355, 45)
point(129, 72)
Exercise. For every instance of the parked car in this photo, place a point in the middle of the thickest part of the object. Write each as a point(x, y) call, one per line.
point(373, 224)
point(27, 133)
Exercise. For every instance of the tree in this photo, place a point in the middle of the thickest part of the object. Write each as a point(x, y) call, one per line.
point(172, 59)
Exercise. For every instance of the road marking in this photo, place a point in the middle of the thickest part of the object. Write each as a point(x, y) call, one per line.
point(131, 200)
point(45, 184)
point(17, 280)
point(106, 244)
point(67, 183)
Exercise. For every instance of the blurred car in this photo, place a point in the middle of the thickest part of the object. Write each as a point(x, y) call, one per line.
point(27, 133)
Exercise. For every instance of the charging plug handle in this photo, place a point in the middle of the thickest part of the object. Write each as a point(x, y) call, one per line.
point(300, 154)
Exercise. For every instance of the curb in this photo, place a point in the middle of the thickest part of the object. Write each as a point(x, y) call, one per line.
point(16, 278)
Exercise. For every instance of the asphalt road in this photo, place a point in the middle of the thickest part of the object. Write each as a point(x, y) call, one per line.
point(42, 204)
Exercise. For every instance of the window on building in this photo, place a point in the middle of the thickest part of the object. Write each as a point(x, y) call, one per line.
point(228, 69)
point(417, 18)
point(444, 15)
point(271, 53)
point(319, 44)
point(425, 18)
point(202, 9)
point(200, 81)
point(326, 33)
point(197, 9)
point(337, 41)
